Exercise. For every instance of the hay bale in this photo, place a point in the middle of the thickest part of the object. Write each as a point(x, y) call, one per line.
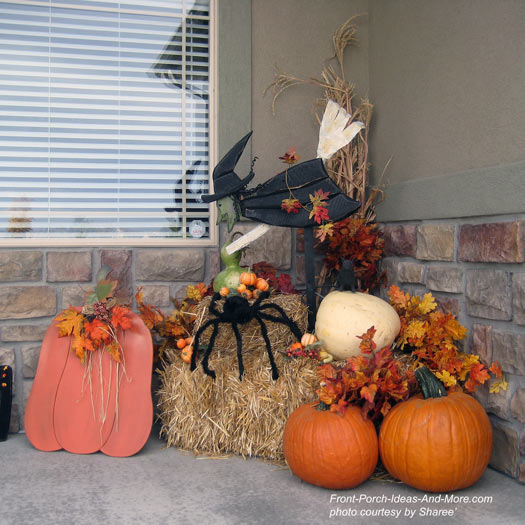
point(228, 415)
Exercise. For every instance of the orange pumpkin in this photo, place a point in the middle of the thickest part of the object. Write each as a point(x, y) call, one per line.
point(224, 291)
point(436, 442)
point(247, 294)
point(181, 343)
point(241, 288)
point(330, 450)
point(186, 353)
point(248, 278)
point(262, 284)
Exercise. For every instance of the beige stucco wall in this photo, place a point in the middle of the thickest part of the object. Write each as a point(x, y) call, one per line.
point(296, 36)
point(447, 80)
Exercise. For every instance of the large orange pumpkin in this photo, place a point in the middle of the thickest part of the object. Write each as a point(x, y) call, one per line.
point(330, 450)
point(436, 442)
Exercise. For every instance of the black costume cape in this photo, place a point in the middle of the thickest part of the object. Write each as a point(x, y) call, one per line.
point(263, 203)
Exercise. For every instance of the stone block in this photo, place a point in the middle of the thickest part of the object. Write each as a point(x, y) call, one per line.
point(521, 476)
point(522, 442)
point(75, 294)
point(20, 265)
point(300, 270)
point(22, 302)
point(14, 424)
point(400, 240)
point(390, 266)
point(448, 304)
point(121, 262)
point(409, 272)
point(30, 357)
point(170, 264)
point(274, 247)
point(481, 342)
point(157, 295)
point(444, 279)
point(498, 403)
point(509, 350)
point(435, 242)
point(488, 294)
point(69, 266)
point(214, 264)
point(518, 297)
point(499, 242)
point(505, 448)
point(517, 410)
point(23, 332)
point(7, 357)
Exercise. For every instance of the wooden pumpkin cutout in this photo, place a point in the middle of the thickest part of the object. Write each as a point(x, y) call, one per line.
point(85, 410)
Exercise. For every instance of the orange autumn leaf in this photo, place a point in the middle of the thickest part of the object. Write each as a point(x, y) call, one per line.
point(119, 317)
point(69, 322)
point(398, 298)
point(369, 392)
point(114, 351)
point(80, 344)
point(495, 368)
point(479, 373)
point(97, 331)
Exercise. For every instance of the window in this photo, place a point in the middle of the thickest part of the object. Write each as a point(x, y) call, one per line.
point(105, 134)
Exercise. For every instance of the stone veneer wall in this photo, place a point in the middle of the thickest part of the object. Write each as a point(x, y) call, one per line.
point(35, 284)
point(475, 269)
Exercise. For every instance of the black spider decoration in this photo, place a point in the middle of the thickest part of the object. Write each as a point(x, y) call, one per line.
point(237, 310)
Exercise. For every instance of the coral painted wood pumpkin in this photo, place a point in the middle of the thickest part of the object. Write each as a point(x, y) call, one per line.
point(63, 411)
point(436, 442)
point(330, 450)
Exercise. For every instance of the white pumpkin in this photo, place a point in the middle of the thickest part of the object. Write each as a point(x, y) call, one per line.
point(343, 316)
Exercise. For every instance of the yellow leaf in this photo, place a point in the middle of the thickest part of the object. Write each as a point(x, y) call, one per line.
point(455, 329)
point(69, 322)
point(497, 385)
point(427, 304)
point(415, 332)
point(446, 378)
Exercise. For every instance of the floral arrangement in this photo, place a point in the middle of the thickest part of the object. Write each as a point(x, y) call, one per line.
point(432, 335)
point(376, 380)
point(96, 326)
point(373, 380)
point(176, 326)
point(360, 241)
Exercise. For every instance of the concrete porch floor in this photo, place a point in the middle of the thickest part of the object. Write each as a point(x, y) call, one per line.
point(165, 486)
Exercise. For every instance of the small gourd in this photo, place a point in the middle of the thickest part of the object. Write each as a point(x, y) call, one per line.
point(308, 339)
point(262, 284)
point(231, 275)
point(248, 278)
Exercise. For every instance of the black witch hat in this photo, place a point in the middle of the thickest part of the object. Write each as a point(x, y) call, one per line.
point(225, 180)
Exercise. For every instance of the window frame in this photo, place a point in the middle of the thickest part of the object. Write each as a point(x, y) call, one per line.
point(161, 242)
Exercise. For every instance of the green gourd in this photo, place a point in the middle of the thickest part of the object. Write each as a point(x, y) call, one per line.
point(231, 275)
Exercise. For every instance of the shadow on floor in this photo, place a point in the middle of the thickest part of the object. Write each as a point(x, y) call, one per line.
point(168, 486)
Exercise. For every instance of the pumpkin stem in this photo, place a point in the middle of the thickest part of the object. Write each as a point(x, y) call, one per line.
point(430, 385)
point(322, 406)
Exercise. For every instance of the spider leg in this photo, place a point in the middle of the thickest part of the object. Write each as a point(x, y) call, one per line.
point(196, 339)
point(284, 319)
point(211, 344)
point(213, 309)
point(238, 337)
point(264, 332)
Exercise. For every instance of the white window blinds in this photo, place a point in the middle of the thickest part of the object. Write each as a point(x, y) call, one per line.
point(104, 129)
